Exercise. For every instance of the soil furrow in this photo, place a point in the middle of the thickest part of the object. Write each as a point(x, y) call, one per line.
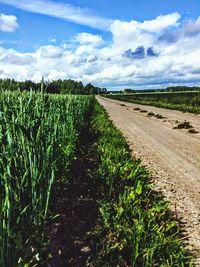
point(70, 235)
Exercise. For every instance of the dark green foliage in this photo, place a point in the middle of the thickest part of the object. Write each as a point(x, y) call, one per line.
point(184, 101)
point(52, 87)
point(168, 89)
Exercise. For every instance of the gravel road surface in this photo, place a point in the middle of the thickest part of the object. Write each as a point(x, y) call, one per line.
point(171, 154)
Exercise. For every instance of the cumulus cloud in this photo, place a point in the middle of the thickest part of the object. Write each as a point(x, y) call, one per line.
point(10, 57)
point(88, 38)
point(195, 71)
point(160, 23)
point(17, 59)
point(192, 28)
point(8, 23)
point(189, 29)
point(133, 58)
point(62, 11)
point(128, 33)
point(50, 51)
point(153, 26)
point(169, 37)
point(139, 53)
point(133, 34)
point(151, 52)
point(92, 59)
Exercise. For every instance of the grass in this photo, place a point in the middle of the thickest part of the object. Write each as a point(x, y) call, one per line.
point(135, 226)
point(183, 101)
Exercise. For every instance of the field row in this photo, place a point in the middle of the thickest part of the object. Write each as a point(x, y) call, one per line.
point(38, 134)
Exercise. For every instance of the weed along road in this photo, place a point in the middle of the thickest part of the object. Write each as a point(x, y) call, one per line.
point(168, 143)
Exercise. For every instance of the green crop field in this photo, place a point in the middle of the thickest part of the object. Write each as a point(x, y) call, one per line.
point(183, 101)
point(46, 142)
point(38, 136)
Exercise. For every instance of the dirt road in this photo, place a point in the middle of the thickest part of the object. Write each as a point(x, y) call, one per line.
point(172, 156)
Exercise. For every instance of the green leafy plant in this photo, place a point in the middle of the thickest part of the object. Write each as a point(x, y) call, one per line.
point(135, 225)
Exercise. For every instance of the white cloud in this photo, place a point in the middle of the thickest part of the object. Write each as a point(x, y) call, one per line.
point(135, 33)
point(11, 57)
point(86, 50)
point(88, 38)
point(192, 27)
point(50, 51)
point(160, 23)
point(90, 59)
point(8, 23)
point(61, 10)
point(14, 59)
point(53, 40)
point(54, 74)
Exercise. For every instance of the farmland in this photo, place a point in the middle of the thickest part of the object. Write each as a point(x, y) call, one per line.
point(38, 134)
point(47, 142)
point(183, 101)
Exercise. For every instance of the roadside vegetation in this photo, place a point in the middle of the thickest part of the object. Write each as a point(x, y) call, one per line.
point(44, 162)
point(135, 226)
point(183, 101)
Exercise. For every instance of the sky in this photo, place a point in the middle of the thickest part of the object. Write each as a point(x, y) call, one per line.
point(114, 44)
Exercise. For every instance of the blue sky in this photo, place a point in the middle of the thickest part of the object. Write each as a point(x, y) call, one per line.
point(117, 44)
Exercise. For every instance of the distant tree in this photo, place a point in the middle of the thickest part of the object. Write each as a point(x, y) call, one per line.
point(53, 87)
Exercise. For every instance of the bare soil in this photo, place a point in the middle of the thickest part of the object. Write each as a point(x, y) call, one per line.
point(171, 154)
point(70, 241)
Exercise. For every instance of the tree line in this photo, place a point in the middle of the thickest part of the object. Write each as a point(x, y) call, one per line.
point(54, 87)
point(168, 89)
